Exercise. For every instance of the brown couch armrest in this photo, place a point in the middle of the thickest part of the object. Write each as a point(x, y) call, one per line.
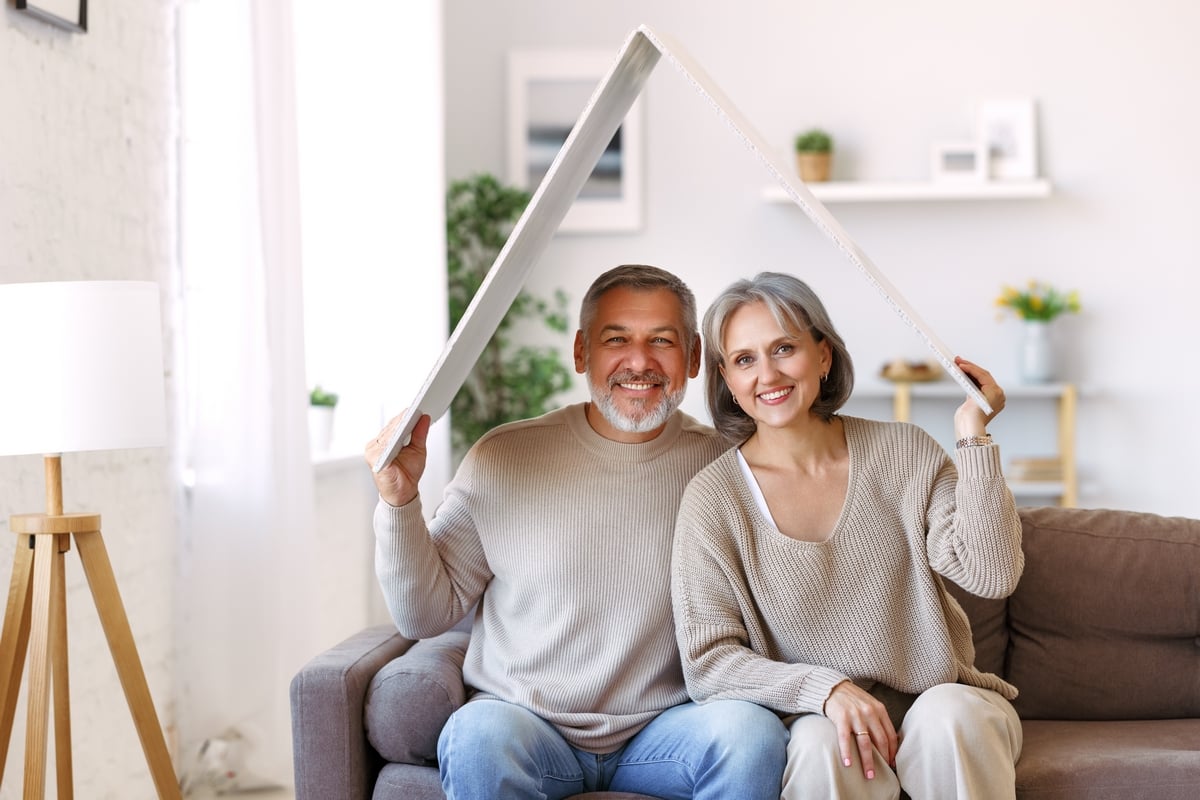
point(330, 752)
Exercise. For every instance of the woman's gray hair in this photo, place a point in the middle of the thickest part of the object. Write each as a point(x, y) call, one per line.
point(641, 278)
point(796, 308)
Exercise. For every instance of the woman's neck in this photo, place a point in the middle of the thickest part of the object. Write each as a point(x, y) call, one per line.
point(803, 444)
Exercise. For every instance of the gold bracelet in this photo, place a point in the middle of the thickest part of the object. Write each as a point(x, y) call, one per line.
point(973, 441)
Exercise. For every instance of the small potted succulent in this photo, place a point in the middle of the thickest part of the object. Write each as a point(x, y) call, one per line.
point(814, 154)
point(320, 419)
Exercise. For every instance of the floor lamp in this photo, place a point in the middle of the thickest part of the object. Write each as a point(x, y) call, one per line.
point(83, 370)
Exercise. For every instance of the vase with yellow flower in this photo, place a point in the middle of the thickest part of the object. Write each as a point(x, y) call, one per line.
point(1038, 305)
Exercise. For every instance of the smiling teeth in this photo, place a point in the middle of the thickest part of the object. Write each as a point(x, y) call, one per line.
point(638, 387)
point(775, 395)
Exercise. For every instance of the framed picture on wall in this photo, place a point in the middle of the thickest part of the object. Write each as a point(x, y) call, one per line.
point(1009, 130)
point(68, 14)
point(547, 92)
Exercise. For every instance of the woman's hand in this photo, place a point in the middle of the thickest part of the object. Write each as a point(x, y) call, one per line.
point(397, 482)
point(969, 418)
point(863, 726)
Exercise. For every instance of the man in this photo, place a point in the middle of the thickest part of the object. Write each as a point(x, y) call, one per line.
point(560, 528)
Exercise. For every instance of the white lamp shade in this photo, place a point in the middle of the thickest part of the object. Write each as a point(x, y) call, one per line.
point(81, 367)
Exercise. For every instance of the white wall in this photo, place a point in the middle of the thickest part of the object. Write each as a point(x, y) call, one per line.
point(1114, 85)
point(86, 193)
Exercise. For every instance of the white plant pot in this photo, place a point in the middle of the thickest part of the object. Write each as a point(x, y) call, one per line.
point(320, 429)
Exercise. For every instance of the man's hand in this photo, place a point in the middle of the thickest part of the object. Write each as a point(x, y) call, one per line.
point(397, 482)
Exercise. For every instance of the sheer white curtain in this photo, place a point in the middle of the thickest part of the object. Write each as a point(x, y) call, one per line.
point(248, 551)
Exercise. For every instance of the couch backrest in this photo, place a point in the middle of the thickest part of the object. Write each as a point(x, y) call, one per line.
point(1105, 623)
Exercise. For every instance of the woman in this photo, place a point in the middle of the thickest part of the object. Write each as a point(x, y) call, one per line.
point(809, 562)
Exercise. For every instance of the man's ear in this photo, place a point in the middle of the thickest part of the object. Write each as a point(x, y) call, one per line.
point(580, 355)
point(694, 366)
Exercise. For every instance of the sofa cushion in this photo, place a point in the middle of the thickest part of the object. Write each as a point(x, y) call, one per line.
point(408, 782)
point(1147, 760)
point(1105, 623)
point(989, 627)
point(410, 699)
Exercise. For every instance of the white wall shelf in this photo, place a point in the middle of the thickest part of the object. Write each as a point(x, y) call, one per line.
point(915, 191)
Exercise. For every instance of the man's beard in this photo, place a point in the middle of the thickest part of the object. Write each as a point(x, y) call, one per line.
point(650, 418)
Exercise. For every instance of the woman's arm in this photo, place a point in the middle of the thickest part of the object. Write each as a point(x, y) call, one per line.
point(715, 644)
point(974, 531)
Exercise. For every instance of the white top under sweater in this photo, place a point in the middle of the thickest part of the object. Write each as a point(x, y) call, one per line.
point(777, 621)
point(566, 537)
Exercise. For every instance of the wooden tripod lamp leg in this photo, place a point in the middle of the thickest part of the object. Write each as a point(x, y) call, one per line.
point(63, 763)
point(103, 583)
point(36, 728)
point(14, 641)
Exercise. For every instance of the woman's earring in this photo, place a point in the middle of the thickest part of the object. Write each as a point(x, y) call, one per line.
point(735, 400)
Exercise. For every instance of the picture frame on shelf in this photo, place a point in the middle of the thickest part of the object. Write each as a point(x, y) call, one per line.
point(1008, 128)
point(959, 161)
point(69, 15)
point(547, 90)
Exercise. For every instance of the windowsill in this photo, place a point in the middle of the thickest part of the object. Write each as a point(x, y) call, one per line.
point(336, 461)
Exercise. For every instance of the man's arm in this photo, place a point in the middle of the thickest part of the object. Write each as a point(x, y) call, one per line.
point(431, 576)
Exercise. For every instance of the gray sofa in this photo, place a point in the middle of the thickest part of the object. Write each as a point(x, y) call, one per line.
point(1102, 637)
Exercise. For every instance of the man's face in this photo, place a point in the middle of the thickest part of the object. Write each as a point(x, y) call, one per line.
point(637, 362)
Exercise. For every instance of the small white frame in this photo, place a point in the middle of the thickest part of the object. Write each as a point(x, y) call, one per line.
point(547, 90)
point(959, 161)
point(1008, 128)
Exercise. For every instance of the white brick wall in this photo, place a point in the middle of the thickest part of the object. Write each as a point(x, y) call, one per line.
point(86, 192)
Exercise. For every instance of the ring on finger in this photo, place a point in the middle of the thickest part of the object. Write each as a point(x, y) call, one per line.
point(862, 733)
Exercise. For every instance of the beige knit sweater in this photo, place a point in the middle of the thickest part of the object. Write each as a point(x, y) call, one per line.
point(565, 538)
point(766, 618)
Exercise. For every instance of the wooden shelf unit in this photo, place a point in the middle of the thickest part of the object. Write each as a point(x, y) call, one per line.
point(903, 395)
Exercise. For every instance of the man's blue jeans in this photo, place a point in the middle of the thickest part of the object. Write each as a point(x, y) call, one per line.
point(720, 750)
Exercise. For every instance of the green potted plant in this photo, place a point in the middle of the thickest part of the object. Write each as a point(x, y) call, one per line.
point(320, 419)
point(814, 154)
point(320, 398)
point(509, 381)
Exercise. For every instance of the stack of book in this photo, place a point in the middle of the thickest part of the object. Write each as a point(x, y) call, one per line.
point(1035, 469)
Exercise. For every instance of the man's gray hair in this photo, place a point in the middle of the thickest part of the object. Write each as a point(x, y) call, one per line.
point(641, 278)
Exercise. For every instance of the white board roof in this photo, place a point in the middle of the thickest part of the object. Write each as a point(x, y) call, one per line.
point(610, 102)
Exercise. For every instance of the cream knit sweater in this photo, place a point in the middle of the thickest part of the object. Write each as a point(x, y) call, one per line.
point(766, 618)
point(565, 538)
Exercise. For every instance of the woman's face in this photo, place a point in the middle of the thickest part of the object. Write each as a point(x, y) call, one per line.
point(774, 375)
